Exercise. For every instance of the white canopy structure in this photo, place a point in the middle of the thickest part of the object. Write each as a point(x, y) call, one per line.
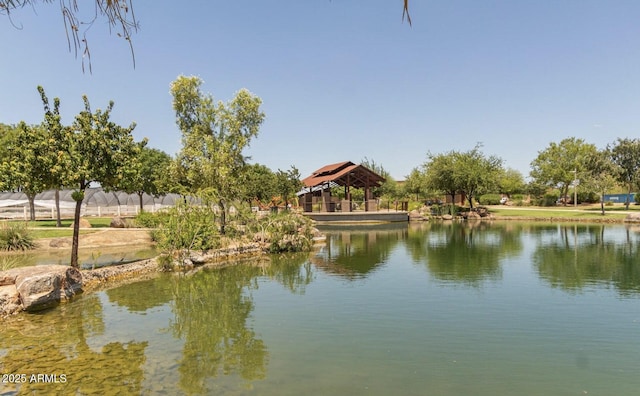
point(96, 202)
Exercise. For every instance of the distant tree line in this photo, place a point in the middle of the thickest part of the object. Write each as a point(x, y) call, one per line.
point(212, 166)
point(95, 150)
point(558, 167)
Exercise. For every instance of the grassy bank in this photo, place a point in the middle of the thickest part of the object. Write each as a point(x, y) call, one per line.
point(96, 222)
point(582, 213)
point(57, 233)
point(39, 229)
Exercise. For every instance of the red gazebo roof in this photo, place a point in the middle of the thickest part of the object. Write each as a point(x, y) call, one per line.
point(344, 174)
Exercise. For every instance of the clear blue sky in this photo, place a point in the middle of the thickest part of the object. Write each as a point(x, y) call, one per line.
point(344, 80)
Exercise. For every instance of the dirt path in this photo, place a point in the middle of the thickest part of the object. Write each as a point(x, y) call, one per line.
point(109, 237)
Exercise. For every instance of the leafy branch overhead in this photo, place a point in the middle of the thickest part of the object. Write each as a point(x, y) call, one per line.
point(405, 12)
point(79, 17)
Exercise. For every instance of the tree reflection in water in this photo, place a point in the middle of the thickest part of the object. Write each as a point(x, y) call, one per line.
point(468, 252)
point(356, 252)
point(291, 270)
point(211, 312)
point(55, 342)
point(572, 256)
point(146, 294)
point(207, 315)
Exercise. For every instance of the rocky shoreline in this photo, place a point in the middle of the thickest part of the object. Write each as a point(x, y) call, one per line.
point(34, 288)
point(40, 287)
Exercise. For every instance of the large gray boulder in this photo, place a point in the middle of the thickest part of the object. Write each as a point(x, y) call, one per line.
point(118, 222)
point(415, 215)
point(41, 287)
point(473, 216)
point(632, 218)
point(9, 300)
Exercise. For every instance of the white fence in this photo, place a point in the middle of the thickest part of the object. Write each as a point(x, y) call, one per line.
point(15, 205)
point(22, 212)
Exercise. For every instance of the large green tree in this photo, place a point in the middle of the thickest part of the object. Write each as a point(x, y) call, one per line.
point(415, 183)
point(470, 172)
point(214, 136)
point(7, 136)
point(389, 187)
point(27, 165)
point(560, 164)
point(7, 141)
point(148, 170)
point(38, 156)
point(288, 184)
point(439, 172)
point(476, 174)
point(625, 154)
point(100, 151)
point(259, 184)
point(600, 174)
point(511, 182)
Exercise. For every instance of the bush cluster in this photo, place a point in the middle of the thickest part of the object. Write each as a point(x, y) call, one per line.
point(151, 220)
point(549, 199)
point(490, 199)
point(189, 227)
point(588, 197)
point(444, 209)
point(16, 236)
point(287, 232)
point(185, 227)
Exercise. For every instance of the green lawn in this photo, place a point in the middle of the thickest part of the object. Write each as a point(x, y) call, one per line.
point(47, 228)
point(56, 233)
point(96, 222)
point(560, 212)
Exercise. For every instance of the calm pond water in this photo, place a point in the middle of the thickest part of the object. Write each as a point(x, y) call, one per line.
point(87, 258)
point(430, 309)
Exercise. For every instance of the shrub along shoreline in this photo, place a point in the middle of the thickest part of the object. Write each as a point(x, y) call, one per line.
point(279, 233)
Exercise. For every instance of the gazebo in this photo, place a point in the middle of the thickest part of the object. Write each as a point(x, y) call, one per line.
point(317, 187)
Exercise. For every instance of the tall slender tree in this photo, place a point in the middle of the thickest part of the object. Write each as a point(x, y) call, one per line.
point(58, 139)
point(214, 136)
point(101, 151)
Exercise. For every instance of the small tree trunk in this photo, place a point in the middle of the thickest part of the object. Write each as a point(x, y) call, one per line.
point(78, 196)
point(32, 206)
point(76, 234)
point(58, 221)
point(627, 201)
point(223, 216)
point(141, 204)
